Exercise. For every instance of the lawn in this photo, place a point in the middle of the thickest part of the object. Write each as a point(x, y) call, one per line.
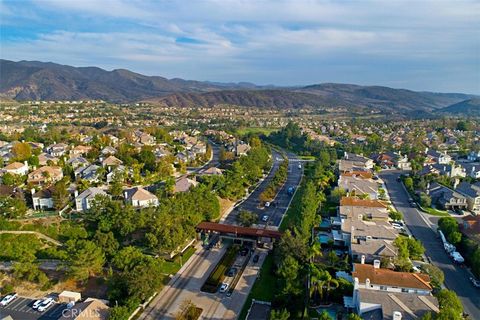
point(172, 267)
point(435, 212)
point(218, 274)
point(256, 130)
point(264, 288)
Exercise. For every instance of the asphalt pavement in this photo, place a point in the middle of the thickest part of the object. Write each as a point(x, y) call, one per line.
point(282, 200)
point(456, 277)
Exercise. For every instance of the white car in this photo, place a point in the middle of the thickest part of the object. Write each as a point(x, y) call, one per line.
point(224, 287)
point(267, 204)
point(37, 303)
point(7, 299)
point(299, 166)
point(46, 304)
point(265, 218)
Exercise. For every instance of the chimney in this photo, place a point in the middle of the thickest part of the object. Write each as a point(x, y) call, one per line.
point(397, 315)
point(345, 155)
point(125, 194)
point(26, 163)
point(455, 183)
point(362, 259)
point(75, 194)
point(376, 264)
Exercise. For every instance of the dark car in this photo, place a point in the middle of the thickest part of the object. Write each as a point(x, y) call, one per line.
point(255, 258)
point(232, 272)
point(244, 251)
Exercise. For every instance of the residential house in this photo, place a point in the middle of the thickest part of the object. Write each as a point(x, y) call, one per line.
point(43, 199)
point(11, 192)
point(45, 158)
point(212, 171)
point(84, 200)
point(184, 184)
point(111, 162)
point(115, 170)
point(57, 149)
point(471, 169)
point(108, 151)
point(383, 305)
point(45, 174)
point(446, 198)
point(393, 160)
point(473, 156)
point(356, 185)
point(434, 156)
point(16, 168)
point(372, 277)
point(358, 161)
point(90, 309)
point(363, 209)
point(472, 193)
point(140, 198)
point(89, 173)
point(77, 162)
point(79, 150)
point(242, 149)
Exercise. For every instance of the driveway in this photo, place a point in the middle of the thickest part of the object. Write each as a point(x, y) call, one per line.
point(422, 228)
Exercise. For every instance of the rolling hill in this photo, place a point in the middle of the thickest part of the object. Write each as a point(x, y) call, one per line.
point(33, 80)
point(470, 107)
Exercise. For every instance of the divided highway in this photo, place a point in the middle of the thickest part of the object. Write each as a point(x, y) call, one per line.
point(281, 202)
point(456, 277)
point(186, 284)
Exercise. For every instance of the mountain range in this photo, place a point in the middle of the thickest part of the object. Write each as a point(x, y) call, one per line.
point(33, 80)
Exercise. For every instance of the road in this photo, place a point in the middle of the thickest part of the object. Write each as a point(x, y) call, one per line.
point(456, 277)
point(281, 202)
point(188, 281)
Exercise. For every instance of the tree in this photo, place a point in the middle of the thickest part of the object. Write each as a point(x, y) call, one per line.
point(21, 151)
point(425, 200)
point(435, 273)
point(85, 259)
point(448, 299)
point(247, 218)
point(119, 313)
point(279, 314)
point(116, 186)
point(60, 195)
point(107, 241)
point(288, 271)
point(324, 316)
point(353, 316)
point(395, 215)
point(12, 208)
point(408, 182)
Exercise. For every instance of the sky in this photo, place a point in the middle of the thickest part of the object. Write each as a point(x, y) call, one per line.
point(418, 45)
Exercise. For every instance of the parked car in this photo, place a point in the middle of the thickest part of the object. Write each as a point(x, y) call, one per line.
point(475, 282)
point(224, 287)
point(37, 303)
point(265, 218)
point(7, 299)
point(232, 272)
point(244, 251)
point(256, 258)
point(299, 166)
point(46, 304)
point(267, 204)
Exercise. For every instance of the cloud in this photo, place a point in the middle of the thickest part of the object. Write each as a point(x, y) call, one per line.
point(382, 41)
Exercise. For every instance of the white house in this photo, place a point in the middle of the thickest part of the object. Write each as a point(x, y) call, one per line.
point(372, 277)
point(17, 168)
point(140, 198)
point(84, 199)
point(42, 199)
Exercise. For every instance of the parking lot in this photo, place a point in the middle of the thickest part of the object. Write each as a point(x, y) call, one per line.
point(21, 309)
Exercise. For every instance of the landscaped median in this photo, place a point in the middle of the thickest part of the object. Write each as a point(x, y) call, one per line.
point(218, 274)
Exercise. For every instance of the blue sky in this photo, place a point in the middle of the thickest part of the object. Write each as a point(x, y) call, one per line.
point(419, 45)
